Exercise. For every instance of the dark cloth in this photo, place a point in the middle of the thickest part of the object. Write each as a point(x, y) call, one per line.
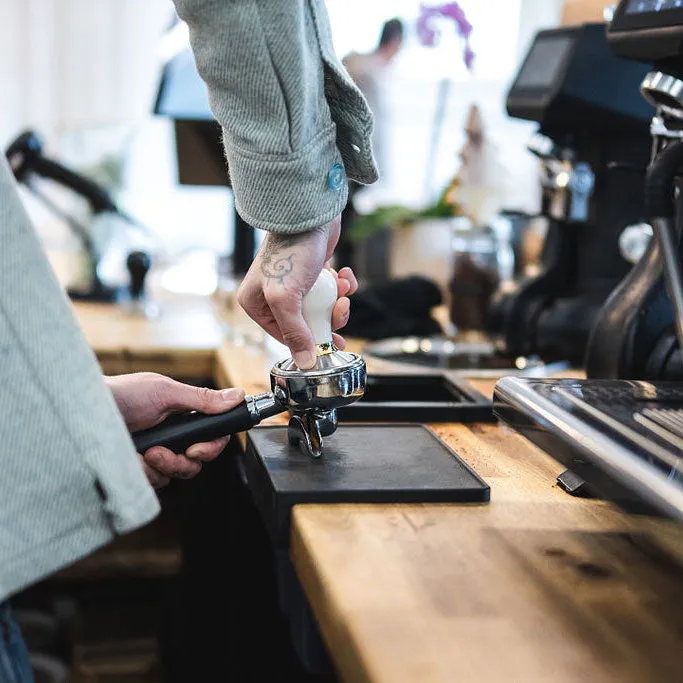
point(14, 661)
point(399, 308)
point(345, 254)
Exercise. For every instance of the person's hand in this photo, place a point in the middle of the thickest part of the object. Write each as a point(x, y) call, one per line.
point(145, 399)
point(284, 269)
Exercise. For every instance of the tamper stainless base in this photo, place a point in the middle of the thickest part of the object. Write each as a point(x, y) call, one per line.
point(313, 396)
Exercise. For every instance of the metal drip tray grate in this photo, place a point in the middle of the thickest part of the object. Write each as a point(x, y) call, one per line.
point(623, 437)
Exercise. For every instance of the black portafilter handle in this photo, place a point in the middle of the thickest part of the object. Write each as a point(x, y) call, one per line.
point(179, 432)
point(138, 264)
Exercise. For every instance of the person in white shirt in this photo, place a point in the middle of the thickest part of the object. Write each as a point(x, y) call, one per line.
point(368, 71)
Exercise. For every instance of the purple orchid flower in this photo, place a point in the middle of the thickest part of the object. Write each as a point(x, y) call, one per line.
point(428, 34)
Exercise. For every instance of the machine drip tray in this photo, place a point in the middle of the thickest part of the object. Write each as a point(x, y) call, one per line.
point(625, 438)
point(360, 464)
point(417, 398)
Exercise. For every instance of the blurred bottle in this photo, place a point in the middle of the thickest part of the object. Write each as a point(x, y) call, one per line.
point(475, 276)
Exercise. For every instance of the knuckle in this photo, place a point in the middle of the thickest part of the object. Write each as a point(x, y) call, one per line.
point(204, 396)
point(247, 291)
point(161, 395)
point(295, 339)
point(243, 298)
point(284, 298)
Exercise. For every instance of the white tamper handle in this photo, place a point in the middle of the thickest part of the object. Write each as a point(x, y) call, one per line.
point(317, 308)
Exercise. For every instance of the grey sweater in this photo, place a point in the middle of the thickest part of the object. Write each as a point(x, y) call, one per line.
point(295, 126)
point(69, 477)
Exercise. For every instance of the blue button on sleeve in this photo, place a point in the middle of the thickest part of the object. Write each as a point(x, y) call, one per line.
point(336, 178)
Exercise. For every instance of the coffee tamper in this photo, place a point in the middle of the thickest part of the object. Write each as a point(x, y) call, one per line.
point(311, 396)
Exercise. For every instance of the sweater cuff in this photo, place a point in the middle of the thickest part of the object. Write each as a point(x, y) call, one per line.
point(289, 193)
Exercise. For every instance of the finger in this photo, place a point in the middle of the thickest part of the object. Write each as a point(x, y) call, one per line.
point(339, 341)
point(267, 321)
point(347, 274)
point(185, 397)
point(340, 313)
point(171, 464)
point(252, 298)
point(205, 452)
point(156, 479)
point(253, 301)
point(343, 287)
point(286, 310)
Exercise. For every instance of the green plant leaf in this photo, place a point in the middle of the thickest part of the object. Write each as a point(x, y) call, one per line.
point(383, 217)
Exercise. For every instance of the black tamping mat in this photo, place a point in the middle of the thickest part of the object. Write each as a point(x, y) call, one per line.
point(360, 464)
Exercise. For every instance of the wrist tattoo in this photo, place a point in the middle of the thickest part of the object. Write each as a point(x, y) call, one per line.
point(276, 258)
point(277, 267)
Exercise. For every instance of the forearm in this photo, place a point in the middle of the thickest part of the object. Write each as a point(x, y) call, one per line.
point(263, 63)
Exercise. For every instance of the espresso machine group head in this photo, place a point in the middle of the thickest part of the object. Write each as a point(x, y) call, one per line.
point(593, 146)
point(311, 396)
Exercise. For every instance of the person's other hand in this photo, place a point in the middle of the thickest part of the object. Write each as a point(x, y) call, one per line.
point(285, 268)
point(145, 399)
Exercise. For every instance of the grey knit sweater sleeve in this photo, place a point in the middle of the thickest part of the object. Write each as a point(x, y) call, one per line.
point(70, 479)
point(295, 127)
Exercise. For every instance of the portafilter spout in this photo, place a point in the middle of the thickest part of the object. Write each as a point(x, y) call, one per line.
point(311, 396)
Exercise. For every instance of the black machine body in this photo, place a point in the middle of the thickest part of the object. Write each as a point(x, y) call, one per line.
point(635, 334)
point(622, 429)
point(649, 31)
point(593, 147)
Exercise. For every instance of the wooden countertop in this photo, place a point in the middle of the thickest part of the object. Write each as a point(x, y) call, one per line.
point(534, 586)
point(182, 341)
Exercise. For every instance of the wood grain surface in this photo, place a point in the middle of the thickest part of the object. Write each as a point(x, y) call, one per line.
point(181, 342)
point(534, 586)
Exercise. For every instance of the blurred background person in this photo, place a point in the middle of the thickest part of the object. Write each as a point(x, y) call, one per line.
point(368, 70)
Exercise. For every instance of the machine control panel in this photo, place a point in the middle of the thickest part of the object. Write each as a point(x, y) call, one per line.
point(641, 6)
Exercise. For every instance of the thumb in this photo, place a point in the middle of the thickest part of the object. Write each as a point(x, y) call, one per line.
point(184, 397)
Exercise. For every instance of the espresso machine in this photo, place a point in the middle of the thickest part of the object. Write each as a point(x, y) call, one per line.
point(593, 147)
point(621, 430)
